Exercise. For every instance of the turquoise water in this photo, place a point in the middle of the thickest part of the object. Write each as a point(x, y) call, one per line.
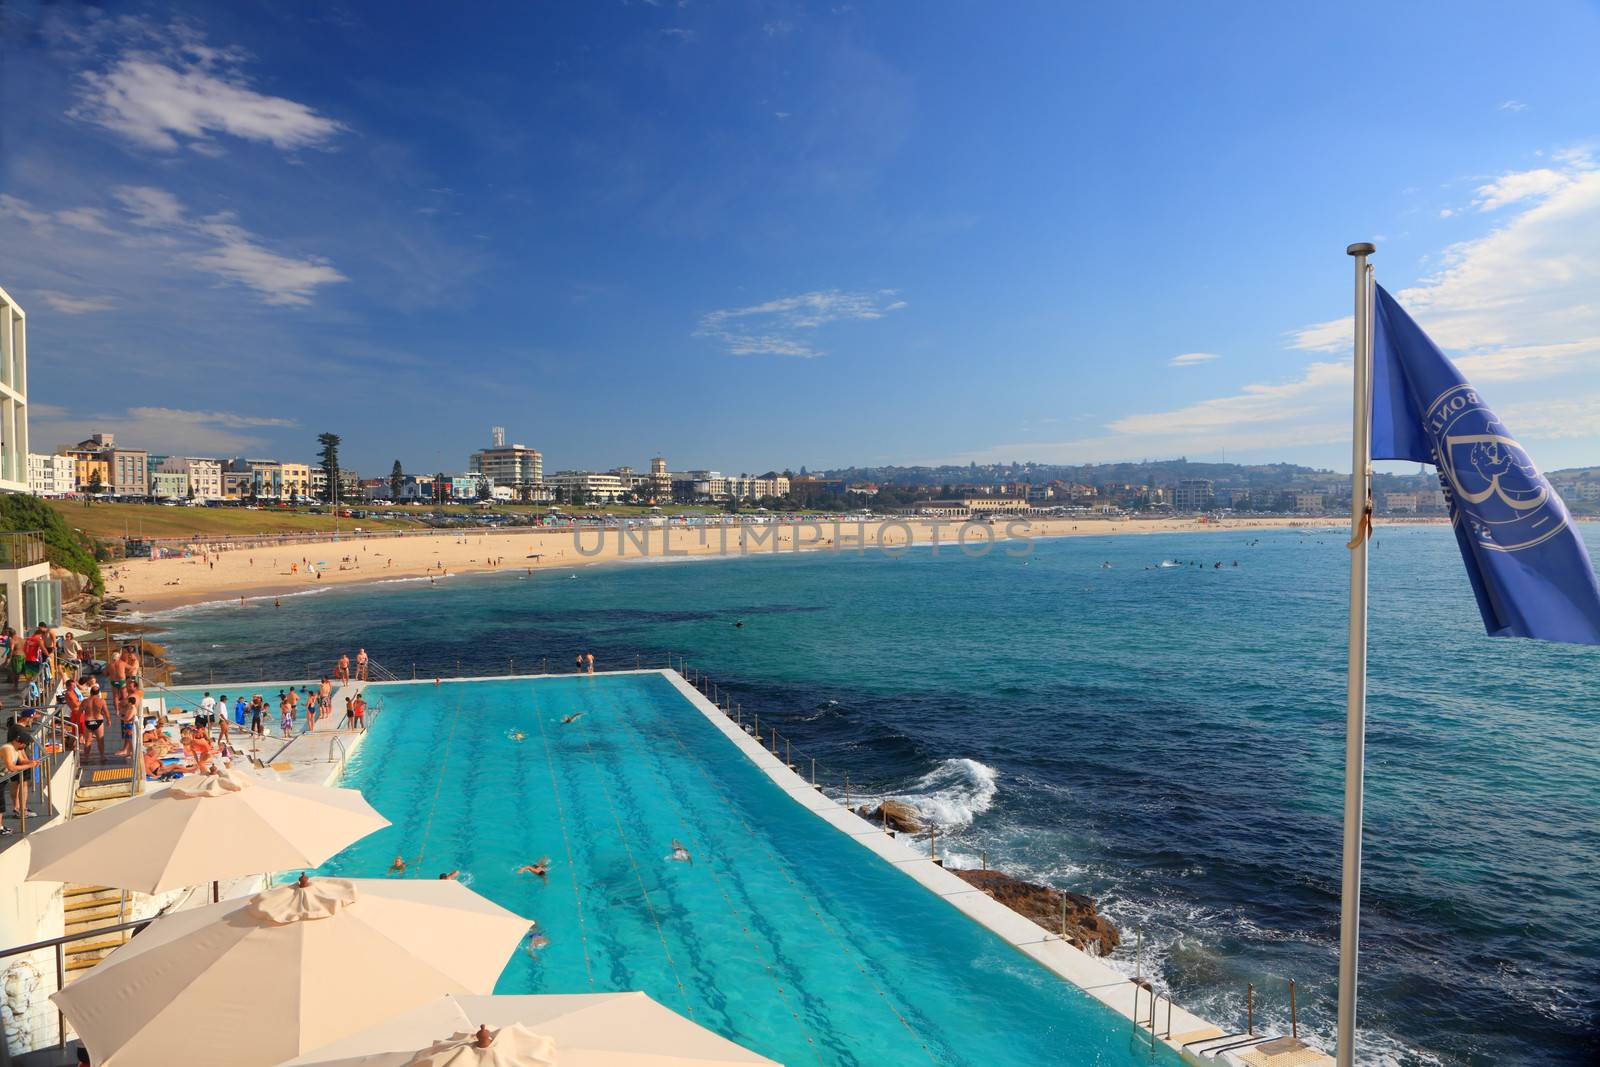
point(1169, 741)
point(781, 934)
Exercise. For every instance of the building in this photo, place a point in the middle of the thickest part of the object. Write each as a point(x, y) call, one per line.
point(13, 397)
point(1309, 503)
point(1397, 502)
point(1193, 494)
point(588, 487)
point(659, 485)
point(295, 479)
point(51, 474)
point(237, 485)
point(969, 507)
point(204, 475)
point(170, 484)
point(349, 484)
point(130, 472)
point(516, 466)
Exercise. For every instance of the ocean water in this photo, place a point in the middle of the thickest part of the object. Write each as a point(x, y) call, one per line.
point(778, 931)
point(1168, 740)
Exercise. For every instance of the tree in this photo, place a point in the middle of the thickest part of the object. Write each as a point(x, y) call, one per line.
point(441, 488)
point(97, 484)
point(397, 481)
point(485, 489)
point(329, 459)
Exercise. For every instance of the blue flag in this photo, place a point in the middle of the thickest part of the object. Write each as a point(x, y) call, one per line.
point(1529, 568)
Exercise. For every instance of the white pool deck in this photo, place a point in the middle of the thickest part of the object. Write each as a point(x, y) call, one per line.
point(320, 758)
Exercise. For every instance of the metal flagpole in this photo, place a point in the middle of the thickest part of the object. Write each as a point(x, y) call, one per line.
point(1356, 687)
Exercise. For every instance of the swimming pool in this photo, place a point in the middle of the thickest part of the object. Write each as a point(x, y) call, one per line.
point(781, 934)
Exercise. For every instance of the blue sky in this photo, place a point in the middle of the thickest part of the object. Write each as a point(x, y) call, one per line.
point(774, 234)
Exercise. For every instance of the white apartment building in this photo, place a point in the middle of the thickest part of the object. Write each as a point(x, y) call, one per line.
point(170, 484)
point(516, 466)
point(13, 396)
point(51, 474)
point(205, 475)
point(589, 487)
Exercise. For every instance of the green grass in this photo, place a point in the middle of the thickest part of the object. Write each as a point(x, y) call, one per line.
point(111, 522)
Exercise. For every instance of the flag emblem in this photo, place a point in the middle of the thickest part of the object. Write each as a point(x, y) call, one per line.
point(1493, 484)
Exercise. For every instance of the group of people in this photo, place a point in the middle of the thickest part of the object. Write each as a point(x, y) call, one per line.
point(251, 714)
point(583, 663)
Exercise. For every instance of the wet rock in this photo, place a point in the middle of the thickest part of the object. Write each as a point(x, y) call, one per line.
point(1086, 928)
point(898, 816)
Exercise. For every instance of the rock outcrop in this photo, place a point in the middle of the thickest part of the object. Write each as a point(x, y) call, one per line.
point(1086, 928)
point(896, 815)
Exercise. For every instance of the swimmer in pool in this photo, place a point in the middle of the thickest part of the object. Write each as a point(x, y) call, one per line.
point(517, 735)
point(679, 853)
point(567, 720)
point(398, 866)
point(541, 868)
point(536, 939)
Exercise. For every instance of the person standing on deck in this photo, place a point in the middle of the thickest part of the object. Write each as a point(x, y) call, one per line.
point(342, 671)
point(588, 660)
point(361, 665)
point(358, 713)
point(577, 663)
point(116, 674)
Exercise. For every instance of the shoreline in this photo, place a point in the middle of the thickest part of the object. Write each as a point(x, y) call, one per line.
point(150, 587)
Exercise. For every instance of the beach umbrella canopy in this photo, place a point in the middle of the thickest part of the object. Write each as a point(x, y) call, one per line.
point(559, 1030)
point(203, 828)
point(261, 980)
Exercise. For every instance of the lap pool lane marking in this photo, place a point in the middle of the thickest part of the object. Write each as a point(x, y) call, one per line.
point(444, 766)
point(843, 945)
point(620, 715)
point(638, 877)
point(561, 816)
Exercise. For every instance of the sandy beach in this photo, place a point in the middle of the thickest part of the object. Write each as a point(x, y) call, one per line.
point(216, 574)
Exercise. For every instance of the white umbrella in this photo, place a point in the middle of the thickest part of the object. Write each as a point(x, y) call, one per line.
point(260, 980)
point(558, 1030)
point(203, 829)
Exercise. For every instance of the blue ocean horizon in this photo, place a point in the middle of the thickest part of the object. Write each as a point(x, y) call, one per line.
point(1166, 739)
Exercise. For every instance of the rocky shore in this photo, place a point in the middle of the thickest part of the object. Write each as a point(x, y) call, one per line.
point(1072, 915)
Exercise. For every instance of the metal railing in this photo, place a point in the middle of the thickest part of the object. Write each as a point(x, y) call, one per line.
point(23, 548)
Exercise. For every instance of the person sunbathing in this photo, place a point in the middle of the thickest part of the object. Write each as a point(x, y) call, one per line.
point(157, 769)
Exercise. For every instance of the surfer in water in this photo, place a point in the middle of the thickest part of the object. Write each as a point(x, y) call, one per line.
point(679, 853)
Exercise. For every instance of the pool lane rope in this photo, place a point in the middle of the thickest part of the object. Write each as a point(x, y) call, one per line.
point(638, 876)
point(444, 766)
point(843, 945)
point(684, 820)
point(566, 841)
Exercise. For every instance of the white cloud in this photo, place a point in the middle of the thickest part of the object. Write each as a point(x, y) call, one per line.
point(1523, 185)
point(1189, 359)
point(1312, 409)
point(1513, 105)
point(279, 279)
point(1446, 212)
point(776, 327)
point(182, 92)
point(149, 206)
point(214, 244)
point(1522, 301)
point(160, 429)
point(1519, 304)
point(75, 305)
